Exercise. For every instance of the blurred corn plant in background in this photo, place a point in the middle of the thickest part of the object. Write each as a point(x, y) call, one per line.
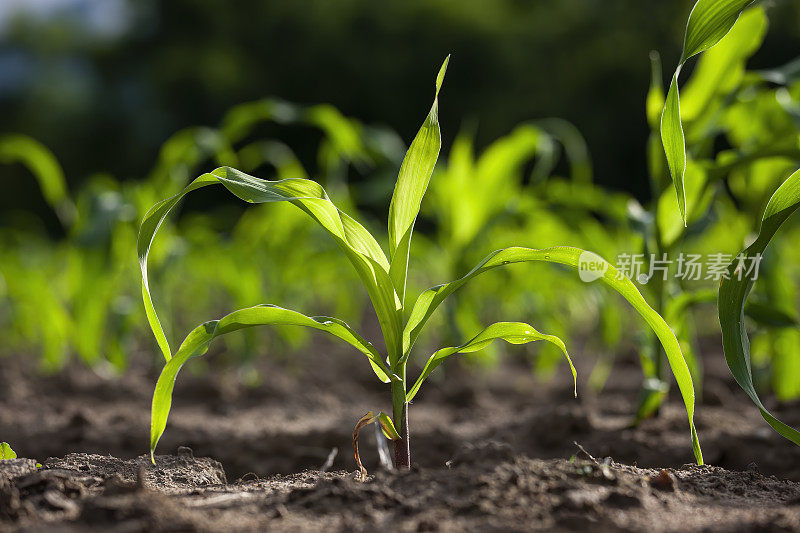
point(509, 193)
point(78, 296)
point(729, 139)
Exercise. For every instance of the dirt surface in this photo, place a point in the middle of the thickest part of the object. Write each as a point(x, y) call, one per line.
point(490, 452)
point(486, 487)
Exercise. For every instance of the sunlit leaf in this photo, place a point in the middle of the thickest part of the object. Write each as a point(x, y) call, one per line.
point(241, 119)
point(698, 198)
point(6, 452)
point(412, 182)
point(709, 21)
point(654, 104)
point(674, 142)
point(45, 168)
point(344, 133)
point(511, 332)
point(722, 67)
point(575, 149)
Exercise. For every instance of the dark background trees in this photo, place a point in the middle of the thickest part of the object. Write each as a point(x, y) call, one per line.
point(104, 82)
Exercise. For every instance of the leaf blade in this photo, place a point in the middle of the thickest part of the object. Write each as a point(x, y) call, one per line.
point(199, 339)
point(354, 240)
point(674, 141)
point(733, 294)
point(430, 299)
point(709, 21)
point(6, 452)
point(511, 332)
point(412, 182)
point(46, 169)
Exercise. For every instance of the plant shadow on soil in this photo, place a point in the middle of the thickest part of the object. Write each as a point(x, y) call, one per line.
point(492, 451)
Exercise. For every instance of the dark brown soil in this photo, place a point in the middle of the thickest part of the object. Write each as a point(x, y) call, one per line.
point(491, 452)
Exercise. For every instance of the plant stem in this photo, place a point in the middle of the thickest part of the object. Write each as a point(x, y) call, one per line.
point(402, 449)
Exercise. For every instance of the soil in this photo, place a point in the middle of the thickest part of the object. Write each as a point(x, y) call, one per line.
point(500, 450)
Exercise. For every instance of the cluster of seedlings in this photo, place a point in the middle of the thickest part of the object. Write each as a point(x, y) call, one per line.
point(384, 275)
point(702, 198)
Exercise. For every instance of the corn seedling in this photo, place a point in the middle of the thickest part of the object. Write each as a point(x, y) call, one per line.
point(384, 277)
point(720, 99)
point(45, 168)
point(760, 121)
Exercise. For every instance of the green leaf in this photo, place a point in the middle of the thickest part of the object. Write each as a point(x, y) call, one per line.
point(733, 293)
point(240, 120)
point(184, 151)
point(485, 184)
point(276, 154)
point(651, 397)
point(387, 426)
point(721, 68)
point(709, 22)
point(697, 196)
point(198, 341)
point(342, 132)
point(353, 239)
point(674, 141)
point(6, 452)
point(511, 332)
point(412, 182)
point(45, 168)
point(678, 315)
point(429, 300)
point(762, 313)
point(575, 149)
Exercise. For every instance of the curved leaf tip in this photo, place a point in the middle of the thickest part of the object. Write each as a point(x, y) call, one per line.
point(442, 72)
point(709, 22)
point(511, 332)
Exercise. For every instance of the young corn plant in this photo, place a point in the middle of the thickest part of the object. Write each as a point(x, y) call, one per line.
point(384, 278)
point(758, 114)
point(718, 191)
point(42, 163)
